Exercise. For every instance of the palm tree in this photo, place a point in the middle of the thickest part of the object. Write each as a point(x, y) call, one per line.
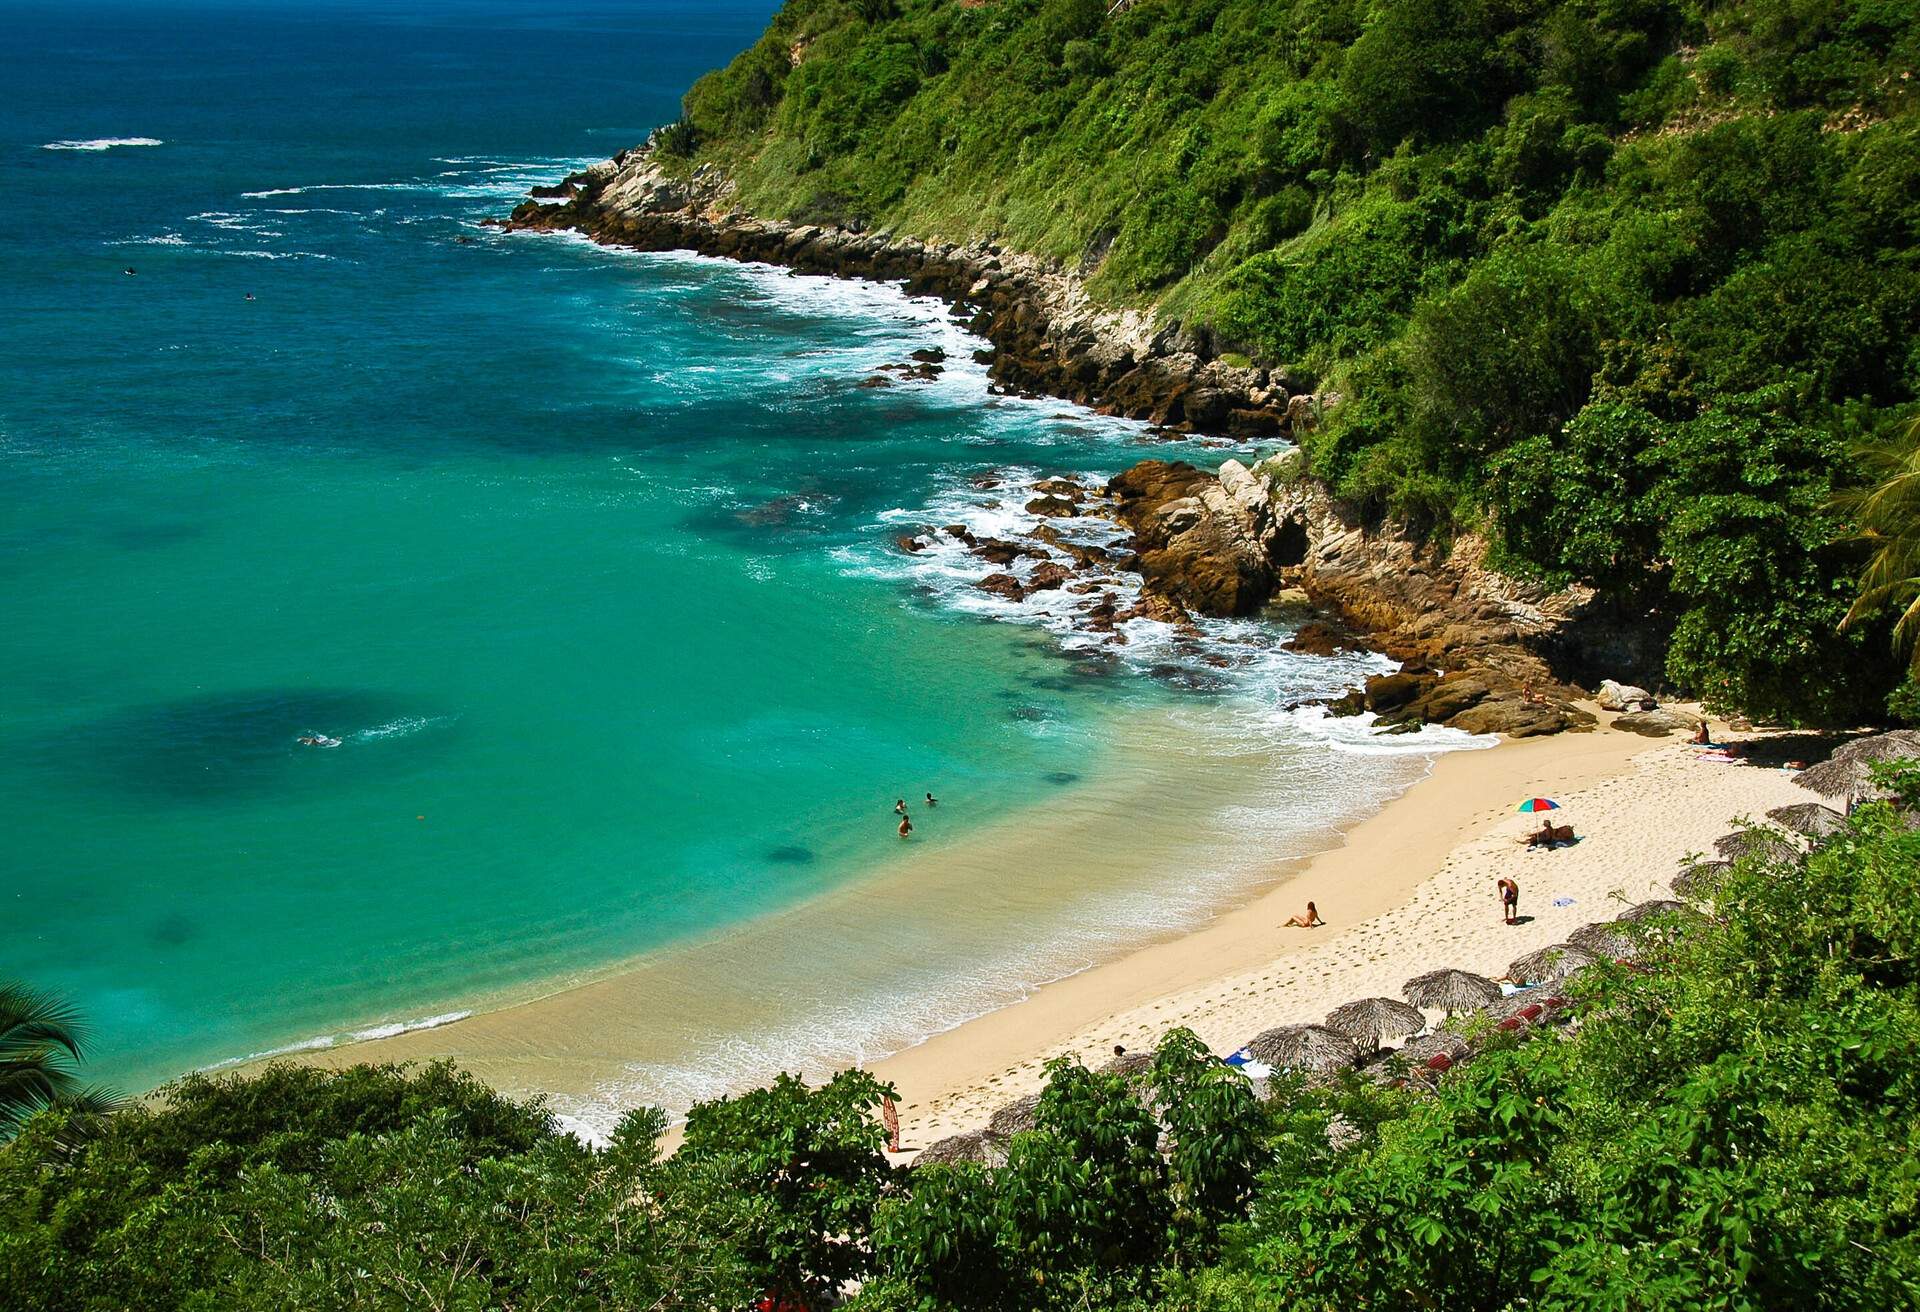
point(1889, 518)
point(41, 1041)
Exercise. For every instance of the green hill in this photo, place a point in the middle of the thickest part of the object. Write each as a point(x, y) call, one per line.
point(1623, 280)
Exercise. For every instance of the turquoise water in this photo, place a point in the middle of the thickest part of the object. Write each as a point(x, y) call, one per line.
point(583, 556)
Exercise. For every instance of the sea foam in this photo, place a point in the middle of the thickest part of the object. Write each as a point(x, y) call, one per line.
point(103, 143)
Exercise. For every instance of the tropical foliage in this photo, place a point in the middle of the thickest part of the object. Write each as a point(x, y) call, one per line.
point(41, 1040)
point(1654, 231)
point(1731, 1125)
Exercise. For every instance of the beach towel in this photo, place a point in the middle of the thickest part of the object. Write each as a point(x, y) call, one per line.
point(1248, 1064)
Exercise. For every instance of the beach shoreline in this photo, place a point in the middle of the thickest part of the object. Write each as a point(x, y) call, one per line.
point(1410, 889)
point(1402, 889)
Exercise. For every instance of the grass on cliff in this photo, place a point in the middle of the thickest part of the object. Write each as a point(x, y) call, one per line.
point(1570, 263)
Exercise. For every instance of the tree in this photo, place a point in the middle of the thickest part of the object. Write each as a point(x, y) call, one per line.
point(41, 1041)
point(1889, 520)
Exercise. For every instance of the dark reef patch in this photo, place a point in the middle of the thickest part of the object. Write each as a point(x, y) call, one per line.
point(791, 854)
point(239, 744)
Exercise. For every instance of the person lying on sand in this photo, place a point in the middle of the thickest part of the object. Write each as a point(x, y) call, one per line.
point(1549, 835)
point(1306, 920)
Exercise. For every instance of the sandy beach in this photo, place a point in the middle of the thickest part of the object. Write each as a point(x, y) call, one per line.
point(1408, 889)
point(1412, 889)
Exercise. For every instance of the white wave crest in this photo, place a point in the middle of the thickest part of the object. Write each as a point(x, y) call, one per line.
point(103, 143)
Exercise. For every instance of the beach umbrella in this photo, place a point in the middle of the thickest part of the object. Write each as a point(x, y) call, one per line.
point(1305, 1048)
point(1549, 963)
point(1845, 773)
point(1604, 938)
point(1374, 1021)
point(1450, 990)
point(1699, 879)
point(1535, 805)
point(1658, 906)
point(1809, 818)
point(974, 1146)
point(1755, 843)
point(1129, 1064)
point(1016, 1117)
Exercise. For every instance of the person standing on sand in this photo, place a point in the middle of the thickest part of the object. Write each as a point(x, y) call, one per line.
point(890, 1117)
point(1510, 900)
point(906, 826)
point(1307, 919)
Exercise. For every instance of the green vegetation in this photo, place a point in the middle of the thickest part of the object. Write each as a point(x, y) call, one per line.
point(41, 1044)
point(1732, 1125)
point(1567, 261)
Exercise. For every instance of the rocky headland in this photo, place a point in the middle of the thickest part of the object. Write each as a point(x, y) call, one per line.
point(1481, 651)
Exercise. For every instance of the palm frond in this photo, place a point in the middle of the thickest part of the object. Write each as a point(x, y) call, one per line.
point(32, 1018)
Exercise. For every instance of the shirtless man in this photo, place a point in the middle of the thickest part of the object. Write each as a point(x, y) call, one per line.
point(1510, 900)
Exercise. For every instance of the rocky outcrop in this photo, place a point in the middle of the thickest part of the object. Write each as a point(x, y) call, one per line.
point(1048, 336)
point(1196, 544)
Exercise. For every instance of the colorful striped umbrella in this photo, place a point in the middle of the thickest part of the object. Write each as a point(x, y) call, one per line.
point(1534, 805)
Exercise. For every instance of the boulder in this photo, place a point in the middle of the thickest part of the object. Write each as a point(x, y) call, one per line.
point(1317, 639)
point(1623, 697)
point(909, 544)
point(1046, 576)
point(1513, 716)
point(1002, 585)
point(1658, 722)
point(1054, 506)
point(1197, 544)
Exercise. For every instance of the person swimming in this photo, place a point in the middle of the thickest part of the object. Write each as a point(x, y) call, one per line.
point(318, 740)
point(900, 807)
point(906, 826)
point(931, 801)
point(130, 271)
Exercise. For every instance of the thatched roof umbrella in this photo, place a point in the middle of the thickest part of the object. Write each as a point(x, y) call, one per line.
point(1305, 1048)
point(1659, 906)
point(1016, 1117)
point(1129, 1064)
point(1549, 963)
point(1452, 990)
point(1374, 1021)
point(1846, 772)
point(1755, 842)
point(1606, 939)
point(1700, 878)
point(1809, 818)
point(974, 1146)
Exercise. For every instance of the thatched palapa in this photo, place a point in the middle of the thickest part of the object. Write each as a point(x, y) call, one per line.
point(1549, 963)
point(974, 1146)
point(1451, 990)
point(1700, 878)
point(1847, 773)
point(1761, 843)
point(1809, 818)
point(1376, 1021)
point(1016, 1117)
point(1606, 939)
point(1659, 906)
point(1305, 1048)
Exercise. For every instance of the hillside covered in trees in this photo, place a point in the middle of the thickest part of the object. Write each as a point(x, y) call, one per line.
point(1628, 282)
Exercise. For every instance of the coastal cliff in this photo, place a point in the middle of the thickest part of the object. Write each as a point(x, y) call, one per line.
point(1216, 544)
point(1048, 335)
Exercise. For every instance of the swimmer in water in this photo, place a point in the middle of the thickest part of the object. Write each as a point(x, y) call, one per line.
point(931, 801)
point(906, 826)
point(249, 295)
point(129, 271)
point(900, 807)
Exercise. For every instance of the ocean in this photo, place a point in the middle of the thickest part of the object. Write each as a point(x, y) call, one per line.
point(585, 558)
